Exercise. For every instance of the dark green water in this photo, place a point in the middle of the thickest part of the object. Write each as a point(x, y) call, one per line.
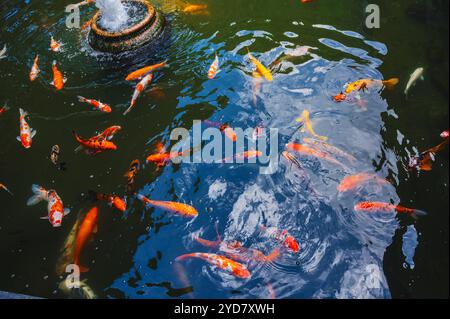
point(132, 254)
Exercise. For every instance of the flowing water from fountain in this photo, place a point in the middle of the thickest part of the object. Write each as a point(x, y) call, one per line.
point(114, 14)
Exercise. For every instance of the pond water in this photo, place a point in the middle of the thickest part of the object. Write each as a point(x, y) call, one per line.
point(343, 254)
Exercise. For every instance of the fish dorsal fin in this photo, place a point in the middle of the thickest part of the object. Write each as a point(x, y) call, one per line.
point(66, 211)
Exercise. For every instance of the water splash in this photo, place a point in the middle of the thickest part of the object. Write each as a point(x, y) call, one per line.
point(114, 14)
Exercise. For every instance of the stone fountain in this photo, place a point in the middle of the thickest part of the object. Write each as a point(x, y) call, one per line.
point(124, 25)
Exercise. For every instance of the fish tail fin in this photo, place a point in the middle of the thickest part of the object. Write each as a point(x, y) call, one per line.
point(81, 98)
point(6, 107)
point(389, 84)
point(185, 256)
point(54, 62)
point(37, 197)
point(273, 255)
point(416, 213)
point(22, 112)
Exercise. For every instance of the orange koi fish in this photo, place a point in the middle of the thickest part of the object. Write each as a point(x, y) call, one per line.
point(351, 182)
point(424, 162)
point(282, 237)
point(195, 8)
point(85, 232)
point(34, 69)
point(329, 148)
point(221, 262)
point(145, 70)
point(214, 68)
point(313, 152)
point(363, 84)
point(371, 207)
point(2, 186)
point(55, 207)
point(247, 255)
point(58, 78)
point(26, 133)
point(137, 91)
point(260, 68)
point(54, 45)
point(95, 143)
point(109, 133)
point(178, 208)
point(131, 174)
point(96, 104)
point(248, 154)
point(229, 132)
point(112, 200)
point(305, 119)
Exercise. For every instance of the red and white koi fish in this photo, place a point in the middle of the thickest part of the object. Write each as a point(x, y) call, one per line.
point(174, 207)
point(96, 104)
point(137, 91)
point(58, 78)
point(54, 45)
point(373, 207)
point(55, 207)
point(86, 231)
point(109, 133)
point(229, 132)
point(282, 237)
point(26, 133)
point(221, 262)
point(35, 69)
point(214, 68)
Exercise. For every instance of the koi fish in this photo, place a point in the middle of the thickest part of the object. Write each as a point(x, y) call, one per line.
point(26, 133)
point(55, 207)
point(305, 119)
point(282, 237)
point(247, 255)
point(86, 231)
point(260, 67)
point(243, 156)
point(67, 249)
point(137, 91)
point(96, 104)
point(330, 148)
point(214, 68)
point(5, 189)
point(131, 174)
point(291, 159)
point(424, 162)
point(362, 85)
point(3, 52)
point(229, 132)
point(54, 157)
point(109, 133)
point(221, 262)
point(54, 45)
point(4, 109)
point(145, 70)
point(112, 200)
point(371, 207)
point(95, 143)
point(34, 69)
point(174, 207)
point(161, 159)
point(58, 78)
point(83, 291)
point(351, 182)
point(195, 8)
point(416, 75)
point(302, 149)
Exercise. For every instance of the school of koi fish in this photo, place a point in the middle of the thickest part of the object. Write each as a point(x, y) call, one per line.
point(231, 257)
